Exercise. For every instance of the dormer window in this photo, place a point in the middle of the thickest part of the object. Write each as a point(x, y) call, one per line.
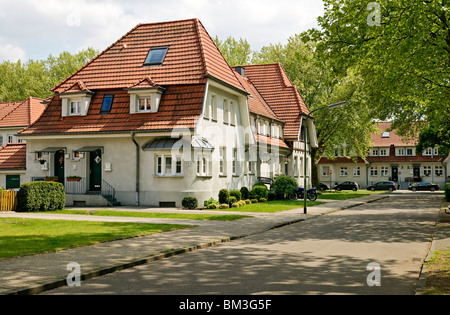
point(76, 100)
point(156, 56)
point(145, 104)
point(75, 107)
point(145, 96)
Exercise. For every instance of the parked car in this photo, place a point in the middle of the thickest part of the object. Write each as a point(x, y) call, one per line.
point(383, 186)
point(347, 186)
point(423, 186)
point(323, 186)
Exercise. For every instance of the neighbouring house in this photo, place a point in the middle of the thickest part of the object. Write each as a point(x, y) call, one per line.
point(14, 116)
point(160, 115)
point(391, 158)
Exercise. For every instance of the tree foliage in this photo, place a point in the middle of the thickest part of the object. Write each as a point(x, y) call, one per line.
point(236, 52)
point(36, 78)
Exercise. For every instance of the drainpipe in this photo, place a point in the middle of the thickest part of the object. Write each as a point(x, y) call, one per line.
point(137, 167)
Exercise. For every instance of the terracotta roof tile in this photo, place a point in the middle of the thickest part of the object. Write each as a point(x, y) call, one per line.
point(393, 138)
point(271, 141)
point(20, 114)
point(280, 94)
point(13, 156)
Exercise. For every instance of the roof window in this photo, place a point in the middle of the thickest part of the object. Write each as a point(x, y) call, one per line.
point(386, 134)
point(156, 56)
point(107, 103)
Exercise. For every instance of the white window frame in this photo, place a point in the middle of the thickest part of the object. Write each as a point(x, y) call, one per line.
point(325, 170)
point(344, 171)
point(357, 171)
point(374, 171)
point(163, 169)
point(147, 104)
point(226, 111)
point(232, 113)
point(438, 171)
point(77, 107)
point(234, 166)
point(427, 171)
point(222, 161)
point(384, 171)
point(204, 165)
point(383, 152)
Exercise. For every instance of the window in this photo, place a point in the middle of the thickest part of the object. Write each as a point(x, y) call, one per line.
point(168, 164)
point(222, 163)
point(386, 134)
point(383, 152)
point(428, 151)
point(400, 152)
point(107, 102)
point(226, 112)
point(384, 171)
point(438, 170)
point(325, 170)
point(233, 113)
point(427, 171)
point(165, 165)
point(204, 165)
point(145, 104)
point(409, 152)
point(156, 56)
point(357, 171)
point(373, 171)
point(75, 107)
point(374, 152)
point(234, 165)
point(213, 107)
point(179, 165)
point(10, 139)
point(344, 171)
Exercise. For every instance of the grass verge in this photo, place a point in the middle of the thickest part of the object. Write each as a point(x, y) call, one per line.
point(438, 274)
point(20, 236)
point(275, 206)
point(159, 215)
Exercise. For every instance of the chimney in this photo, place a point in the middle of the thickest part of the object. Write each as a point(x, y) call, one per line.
point(240, 70)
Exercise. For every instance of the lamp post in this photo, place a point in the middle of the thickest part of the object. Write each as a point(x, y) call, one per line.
point(305, 191)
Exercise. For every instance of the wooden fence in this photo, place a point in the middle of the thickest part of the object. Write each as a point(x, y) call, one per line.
point(8, 200)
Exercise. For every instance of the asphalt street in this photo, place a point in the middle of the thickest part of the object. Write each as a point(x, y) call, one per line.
point(377, 248)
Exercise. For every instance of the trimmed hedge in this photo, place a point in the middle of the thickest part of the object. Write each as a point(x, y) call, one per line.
point(447, 192)
point(189, 202)
point(237, 194)
point(224, 196)
point(41, 196)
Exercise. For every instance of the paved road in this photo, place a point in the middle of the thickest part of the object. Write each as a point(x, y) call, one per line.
point(324, 255)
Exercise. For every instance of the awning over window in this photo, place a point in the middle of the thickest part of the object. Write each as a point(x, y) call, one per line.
point(200, 143)
point(171, 143)
point(89, 149)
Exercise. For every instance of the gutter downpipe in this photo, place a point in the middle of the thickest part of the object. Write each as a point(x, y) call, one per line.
point(137, 167)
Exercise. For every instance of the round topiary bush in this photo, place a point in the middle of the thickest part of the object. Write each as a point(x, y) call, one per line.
point(244, 193)
point(190, 202)
point(260, 192)
point(284, 185)
point(236, 193)
point(224, 196)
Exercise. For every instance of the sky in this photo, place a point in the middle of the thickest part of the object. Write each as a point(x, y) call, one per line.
point(34, 29)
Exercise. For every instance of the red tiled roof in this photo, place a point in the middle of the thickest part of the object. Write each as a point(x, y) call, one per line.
point(20, 114)
point(192, 56)
point(393, 139)
point(280, 94)
point(180, 107)
point(340, 160)
point(271, 141)
point(13, 156)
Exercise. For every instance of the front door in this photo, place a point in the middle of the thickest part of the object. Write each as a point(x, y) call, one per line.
point(59, 165)
point(95, 170)
point(394, 173)
point(416, 173)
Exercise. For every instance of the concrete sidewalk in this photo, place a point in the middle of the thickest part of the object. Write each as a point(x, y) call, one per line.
point(37, 273)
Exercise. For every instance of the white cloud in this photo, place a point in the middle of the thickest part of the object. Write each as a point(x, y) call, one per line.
point(11, 52)
point(53, 25)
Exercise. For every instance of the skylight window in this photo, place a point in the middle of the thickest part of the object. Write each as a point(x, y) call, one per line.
point(386, 134)
point(156, 56)
point(107, 103)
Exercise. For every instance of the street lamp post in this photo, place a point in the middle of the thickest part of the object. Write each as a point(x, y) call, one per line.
point(305, 191)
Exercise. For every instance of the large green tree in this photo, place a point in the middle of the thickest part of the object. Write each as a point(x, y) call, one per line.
point(401, 50)
point(36, 78)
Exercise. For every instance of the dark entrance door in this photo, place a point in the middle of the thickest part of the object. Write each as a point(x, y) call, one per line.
point(416, 173)
point(394, 173)
point(59, 165)
point(95, 170)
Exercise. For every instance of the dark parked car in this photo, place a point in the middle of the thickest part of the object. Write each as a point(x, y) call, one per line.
point(347, 186)
point(323, 186)
point(383, 186)
point(423, 186)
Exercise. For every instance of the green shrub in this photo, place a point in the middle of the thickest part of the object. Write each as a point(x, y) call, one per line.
point(241, 203)
point(232, 200)
point(211, 200)
point(260, 192)
point(224, 196)
point(235, 205)
point(41, 196)
point(254, 200)
point(236, 193)
point(447, 192)
point(262, 199)
point(259, 184)
point(213, 206)
point(224, 206)
point(271, 195)
point(284, 185)
point(244, 193)
point(248, 201)
point(190, 202)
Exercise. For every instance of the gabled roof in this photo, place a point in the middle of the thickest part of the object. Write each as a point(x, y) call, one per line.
point(192, 57)
point(21, 114)
point(393, 139)
point(280, 94)
point(13, 156)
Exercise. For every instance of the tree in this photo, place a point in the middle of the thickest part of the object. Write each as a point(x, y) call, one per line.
point(36, 78)
point(236, 52)
point(400, 49)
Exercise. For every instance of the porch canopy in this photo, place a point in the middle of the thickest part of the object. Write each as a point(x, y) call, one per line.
point(88, 149)
point(51, 150)
point(174, 143)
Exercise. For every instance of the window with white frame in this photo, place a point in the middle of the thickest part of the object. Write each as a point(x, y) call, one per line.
point(383, 152)
point(344, 171)
point(295, 166)
point(204, 165)
point(374, 152)
point(428, 151)
point(357, 171)
point(222, 161)
point(409, 152)
point(373, 171)
point(438, 171)
point(232, 113)
point(427, 171)
point(226, 111)
point(325, 170)
point(384, 170)
point(400, 152)
point(145, 104)
point(75, 107)
point(168, 165)
point(234, 162)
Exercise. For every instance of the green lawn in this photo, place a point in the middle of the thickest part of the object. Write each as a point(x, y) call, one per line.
point(274, 206)
point(20, 236)
point(344, 195)
point(159, 215)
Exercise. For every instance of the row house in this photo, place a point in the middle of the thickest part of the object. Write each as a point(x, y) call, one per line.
point(160, 115)
point(391, 158)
